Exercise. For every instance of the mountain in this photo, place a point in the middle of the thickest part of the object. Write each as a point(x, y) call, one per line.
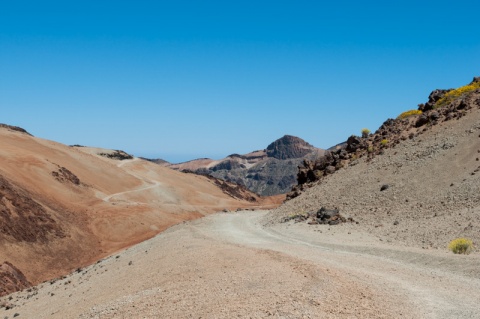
point(415, 181)
point(266, 172)
point(64, 207)
point(365, 237)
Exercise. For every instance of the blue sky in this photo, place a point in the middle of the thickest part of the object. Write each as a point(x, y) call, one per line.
point(185, 79)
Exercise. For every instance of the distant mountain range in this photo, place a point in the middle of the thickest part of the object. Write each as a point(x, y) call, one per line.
point(266, 172)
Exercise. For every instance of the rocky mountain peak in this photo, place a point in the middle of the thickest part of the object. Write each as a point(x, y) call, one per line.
point(289, 146)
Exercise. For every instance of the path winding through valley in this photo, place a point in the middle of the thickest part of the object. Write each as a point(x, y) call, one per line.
point(152, 183)
point(228, 265)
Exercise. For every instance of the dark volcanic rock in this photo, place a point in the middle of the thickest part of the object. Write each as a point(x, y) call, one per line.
point(289, 147)
point(325, 213)
point(266, 172)
point(422, 120)
point(433, 98)
point(353, 143)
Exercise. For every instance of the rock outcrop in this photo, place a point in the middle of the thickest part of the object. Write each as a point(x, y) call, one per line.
point(442, 105)
point(288, 147)
point(267, 172)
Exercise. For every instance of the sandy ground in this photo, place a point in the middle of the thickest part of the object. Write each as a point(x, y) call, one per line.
point(229, 265)
point(115, 204)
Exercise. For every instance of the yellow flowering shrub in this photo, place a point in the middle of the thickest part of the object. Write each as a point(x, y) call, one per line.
point(409, 113)
point(365, 132)
point(384, 142)
point(457, 93)
point(461, 246)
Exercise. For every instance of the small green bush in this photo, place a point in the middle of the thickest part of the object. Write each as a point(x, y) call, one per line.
point(406, 114)
point(365, 132)
point(384, 142)
point(461, 246)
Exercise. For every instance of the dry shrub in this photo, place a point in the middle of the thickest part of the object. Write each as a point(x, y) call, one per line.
point(406, 114)
point(461, 246)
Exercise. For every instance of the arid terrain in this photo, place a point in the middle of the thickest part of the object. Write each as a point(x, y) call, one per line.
point(65, 207)
point(401, 202)
point(268, 172)
point(229, 265)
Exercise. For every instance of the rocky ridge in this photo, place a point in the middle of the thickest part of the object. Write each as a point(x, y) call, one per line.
point(422, 189)
point(442, 106)
point(267, 172)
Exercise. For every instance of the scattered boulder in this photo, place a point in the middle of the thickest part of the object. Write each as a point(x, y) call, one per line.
point(422, 120)
point(330, 169)
point(434, 116)
point(384, 187)
point(325, 213)
point(353, 143)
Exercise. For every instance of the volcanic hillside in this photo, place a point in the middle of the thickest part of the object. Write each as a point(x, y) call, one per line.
point(415, 181)
point(266, 172)
point(365, 236)
point(64, 207)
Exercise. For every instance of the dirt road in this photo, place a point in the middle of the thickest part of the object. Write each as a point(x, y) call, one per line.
point(228, 265)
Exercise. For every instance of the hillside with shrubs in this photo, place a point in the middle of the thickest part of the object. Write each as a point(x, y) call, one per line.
point(414, 181)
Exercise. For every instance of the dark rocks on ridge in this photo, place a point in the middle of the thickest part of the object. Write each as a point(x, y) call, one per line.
point(288, 147)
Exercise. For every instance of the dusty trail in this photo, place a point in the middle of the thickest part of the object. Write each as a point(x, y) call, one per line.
point(153, 183)
point(438, 286)
point(228, 265)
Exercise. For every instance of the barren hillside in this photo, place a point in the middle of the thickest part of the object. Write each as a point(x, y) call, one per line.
point(392, 208)
point(65, 207)
point(420, 188)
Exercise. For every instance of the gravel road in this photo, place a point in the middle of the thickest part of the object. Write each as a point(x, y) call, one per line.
point(229, 265)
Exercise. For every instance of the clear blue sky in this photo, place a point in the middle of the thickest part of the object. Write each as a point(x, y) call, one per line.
point(185, 79)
